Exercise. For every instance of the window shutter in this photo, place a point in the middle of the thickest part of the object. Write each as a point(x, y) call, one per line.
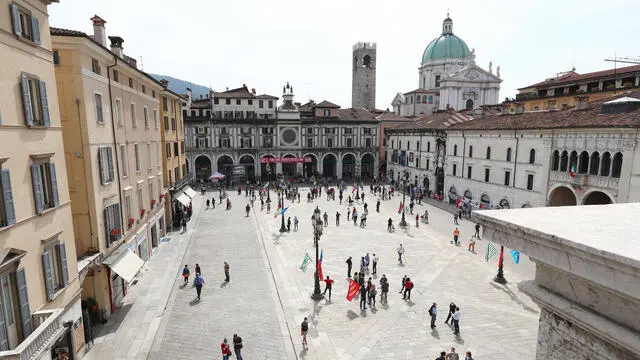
point(26, 99)
point(62, 253)
point(35, 26)
point(101, 166)
point(7, 196)
point(107, 225)
point(118, 217)
point(37, 188)
point(4, 343)
point(15, 14)
point(48, 275)
point(110, 163)
point(54, 185)
point(45, 104)
point(23, 298)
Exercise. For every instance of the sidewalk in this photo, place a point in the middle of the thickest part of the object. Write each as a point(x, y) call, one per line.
point(131, 330)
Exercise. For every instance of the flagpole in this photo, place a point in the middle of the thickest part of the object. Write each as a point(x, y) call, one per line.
point(317, 231)
point(282, 227)
point(500, 276)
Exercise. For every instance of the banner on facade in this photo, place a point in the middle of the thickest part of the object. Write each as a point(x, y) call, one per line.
point(285, 160)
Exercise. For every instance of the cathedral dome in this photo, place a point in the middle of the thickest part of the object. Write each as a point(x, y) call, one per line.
point(446, 46)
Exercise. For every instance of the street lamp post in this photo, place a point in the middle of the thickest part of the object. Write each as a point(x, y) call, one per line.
point(281, 202)
point(316, 222)
point(403, 222)
point(500, 276)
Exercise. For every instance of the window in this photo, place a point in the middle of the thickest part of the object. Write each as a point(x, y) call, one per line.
point(175, 147)
point(133, 115)
point(555, 161)
point(507, 178)
point(606, 163)
point(326, 112)
point(166, 124)
point(34, 100)
point(54, 266)
point(270, 104)
point(173, 124)
point(428, 146)
point(309, 142)
point(228, 101)
point(427, 164)
point(24, 24)
point(112, 225)
point(455, 168)
point(153, 94)
point(261, 104)
point(155, 118)
point(45, 187)
point(468, 172)
point(169, 176)
point(118, 112)
point(509, 154)
point(616, 169)
point(349, 143)
point(238, 102)
point(127, 206)
point(158, 155)
point(470, 151)
point(455, 150)
point(487, 174)
point(216, 101)
point(144, 89)
point(105, 165)
point(182, 147)
point(145, 114)
point(530, 182)
point(488, 152)
point(367, 131)
point(392, 144)
point(532, 156)
point(225, 143)
point(140, 199)
point(136, 151)
point(125, 164)
point(564, 160)
point(418, 162)
point(95, 66)
point(430, 99)
point(151, 200)
point(594, 165)
point(56, 57)
point(167, 150)
point(367, 142)
point(165, 106)
point(348, 130)
point(437, 81)
point(130, 82)
point(99, 113)
point(149, 156)
point(176, 173)
point(330, 142)
point(116, 76)
point(7, 212)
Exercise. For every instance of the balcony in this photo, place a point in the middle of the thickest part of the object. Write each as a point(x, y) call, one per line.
point(47, 328)
point(604, 182)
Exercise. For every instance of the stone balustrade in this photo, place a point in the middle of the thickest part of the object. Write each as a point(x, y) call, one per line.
point(48, 327)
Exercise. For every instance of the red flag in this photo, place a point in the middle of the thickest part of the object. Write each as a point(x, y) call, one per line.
point(457, 202)
point(400, 208)
point(354, 287)
point(320, 270)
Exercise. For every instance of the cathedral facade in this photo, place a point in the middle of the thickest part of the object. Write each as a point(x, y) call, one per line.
point(449, 79)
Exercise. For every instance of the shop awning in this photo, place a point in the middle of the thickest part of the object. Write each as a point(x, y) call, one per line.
point(189, 191)
point(182, 198)
point(126, 264)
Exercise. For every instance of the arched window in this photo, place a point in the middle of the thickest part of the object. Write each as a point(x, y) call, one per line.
point(509, 154)
point(583, 164)
point(424, 99)
point(594, 164)
point(430, 99)
point(564, 160)
point(418, 145)
point(428, 146)
point(400, 144)
point(470, 151)
point(616, 169)
point(408, 145)
point(532, 156)
point(555, 161)
point(366, 61)
point(455, 150)
point(469, 104)
point(488, 152)
point(573, 160)
point(605, 169)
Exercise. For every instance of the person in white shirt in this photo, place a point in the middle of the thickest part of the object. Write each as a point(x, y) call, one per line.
point(375, 264)
point(456, 321)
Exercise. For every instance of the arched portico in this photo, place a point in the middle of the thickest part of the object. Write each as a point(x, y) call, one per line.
point(597, 197)
point(562, 196)
point(329, 165)
point(367, 166)
point(202, 167)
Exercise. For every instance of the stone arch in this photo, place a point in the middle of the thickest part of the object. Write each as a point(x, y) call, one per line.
point(485, 200)
point(564, 160)
point(311, 168)
point(597, 197)
point(583, 163)
point(225, 165)
point(289, 169)
point(248, 161)
point(562, 196)
point(504, 204)
point(469, 104)
point(329, 165)
point(268, 170)
point(594, 163)
point(366, 61)
point(468, 194)
point(555, 160)
point(367, 165)
point(616, 168)
point(349, 166)
point(203, 167)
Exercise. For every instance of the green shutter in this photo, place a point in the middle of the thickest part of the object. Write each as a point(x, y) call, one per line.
point(15, 16)
point(107, 226)
point(62, 257)
point(23, 298)
point(37, 188)
point(118, 216)
point(45, 104)
point(110, 163)
point(35, 28)
point(4, 342)
point(100, 166)
point(7, 196)
point(26, 100)
point(54, 185)
point(48, 275)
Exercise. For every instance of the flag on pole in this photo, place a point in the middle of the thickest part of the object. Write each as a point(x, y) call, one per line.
point(305, 262)
point(354, 189)
point(320, 266)
point(353, 289)
point(400, 208)
point(491, 252)
point(516, 256)
point(284, 210)
point(573, 170)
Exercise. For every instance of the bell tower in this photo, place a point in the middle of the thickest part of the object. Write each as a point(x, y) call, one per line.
point(363, 83)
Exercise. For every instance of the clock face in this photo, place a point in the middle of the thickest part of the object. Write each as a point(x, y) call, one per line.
point(289, 136)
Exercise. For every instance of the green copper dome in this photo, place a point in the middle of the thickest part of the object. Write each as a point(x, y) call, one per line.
point(446, 46)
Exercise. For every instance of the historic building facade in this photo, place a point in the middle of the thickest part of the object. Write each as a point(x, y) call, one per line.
point(112, 140)
point(248, 137)
point(579, 156)
point(40, 306)
point(448, 78)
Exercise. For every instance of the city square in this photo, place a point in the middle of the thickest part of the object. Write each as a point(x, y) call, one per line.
point(268, 295)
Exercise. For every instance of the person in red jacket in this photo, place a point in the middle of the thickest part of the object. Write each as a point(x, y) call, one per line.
point(328, 283)
point(226, 351)
point(408, 285)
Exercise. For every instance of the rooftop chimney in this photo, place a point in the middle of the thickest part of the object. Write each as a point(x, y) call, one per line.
point(131, 61)
point(99, 33)
point(189, 97)
point(253, 91)
point(164, 83)
point(116, 45)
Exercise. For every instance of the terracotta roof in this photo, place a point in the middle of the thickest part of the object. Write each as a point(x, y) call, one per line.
point(389, 116)
point(265, 96)
point(573, 76)
point(66, 32)
point(423, 91)
point(326, 104)
point(438, 121)
point(569, 118)
point(239, 93)
point(355, 114)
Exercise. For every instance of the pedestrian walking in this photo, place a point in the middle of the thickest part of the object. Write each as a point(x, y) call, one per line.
point(348, 213)
point(304, 329)
point(477, 234)
point(452, 309)
point(363, 298)
point(226, 272)
point(384, 287)
point(198, 269)
point(442, 356)
point(326, 219)
point(247, 209)
point(404, 282)
point(456, 234)
point(349, 265)
point(228, 204)
point(375, 264)
point(328, 283)
point(456, 321)
point(389, 225)
point(289, 224)
point(407, 289)
point(237, 346)
point(213, 202)
point(337, 218)
point(378, 206)
point(198, 282)
point(295, 223)
point(268, 206)
point(468, 356)
point(472, 245)
point(367, 260)
point(452, 355)
point(372, 295)
point(185, 274)
point(354, 216)
point(207, 203)
point(433, 312)
point(363, 265)
point(226, 351)
point(183, 222)
point(417, 220)
point(400, 253)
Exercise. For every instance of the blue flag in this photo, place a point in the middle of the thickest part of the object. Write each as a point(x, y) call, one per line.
point(321, 253)
point(284, 210)
point(516, 256)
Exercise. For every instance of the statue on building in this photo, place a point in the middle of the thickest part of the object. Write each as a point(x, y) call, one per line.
point(490, 67)
point(498, 71)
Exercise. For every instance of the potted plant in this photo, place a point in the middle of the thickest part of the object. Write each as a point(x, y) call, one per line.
point(142, 211)
point(627, 84)
point(161, 197)
point(131, 221)
point(153, 203)
point(115, 234)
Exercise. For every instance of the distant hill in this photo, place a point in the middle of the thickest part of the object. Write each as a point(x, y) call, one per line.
point(180, 86)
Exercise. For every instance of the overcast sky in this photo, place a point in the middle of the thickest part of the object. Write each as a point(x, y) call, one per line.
point(265, 43)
